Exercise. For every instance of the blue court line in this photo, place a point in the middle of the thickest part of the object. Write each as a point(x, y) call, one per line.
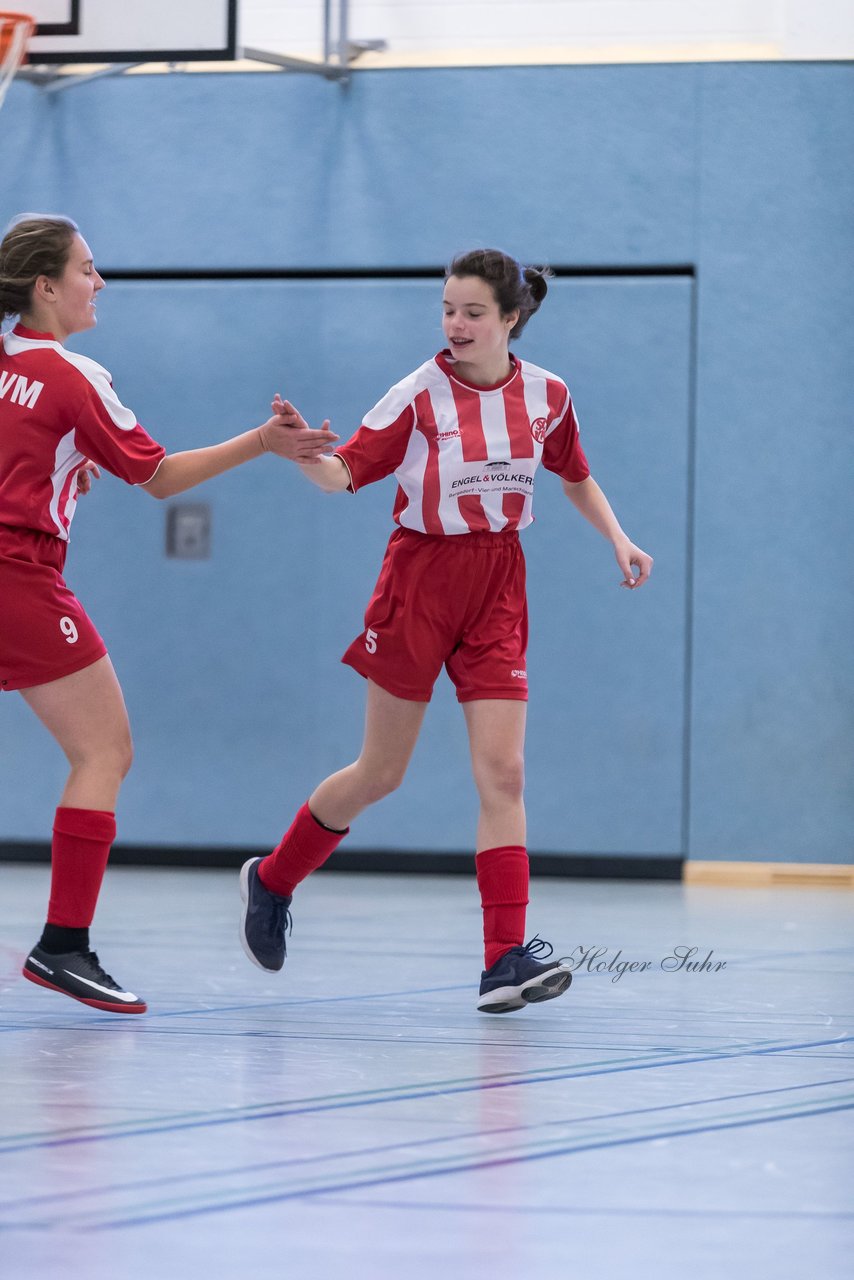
point(199, 1118)
point(284, 1003)
point(412, 1038)
point(434, 1206)
point(822, 1057)
point(413, 1144)
point(122, 1025)
point(469, 1166)
point(277, 1112)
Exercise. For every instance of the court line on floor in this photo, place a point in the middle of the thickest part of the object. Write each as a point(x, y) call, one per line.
point(249, 1007)
point(402, 1093)
point(507, 1211)
point(288, 1003)
point(242, 1171)
point(448, 1168)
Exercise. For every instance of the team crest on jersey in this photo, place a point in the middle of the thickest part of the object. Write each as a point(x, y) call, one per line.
point(538, 429)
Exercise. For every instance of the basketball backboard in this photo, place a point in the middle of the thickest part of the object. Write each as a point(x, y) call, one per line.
point(96, 31)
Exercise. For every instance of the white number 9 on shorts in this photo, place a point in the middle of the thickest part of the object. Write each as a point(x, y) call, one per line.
point(68, 629)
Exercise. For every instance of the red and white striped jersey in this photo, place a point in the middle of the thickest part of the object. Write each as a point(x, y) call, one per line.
point(464, 456)
point(57, 409)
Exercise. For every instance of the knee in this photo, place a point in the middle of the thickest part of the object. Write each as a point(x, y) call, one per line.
point(112, 757)
point(379, 783)
point(124, 756)
point(117, 754)
point(501, 777)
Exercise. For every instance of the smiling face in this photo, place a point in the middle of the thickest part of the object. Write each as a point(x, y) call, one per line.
point(66, 304)
point(477, 332)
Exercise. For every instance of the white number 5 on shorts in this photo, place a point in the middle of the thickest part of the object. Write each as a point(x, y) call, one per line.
point(371, 640)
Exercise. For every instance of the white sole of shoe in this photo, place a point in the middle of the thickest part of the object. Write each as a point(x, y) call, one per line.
point(545, 986)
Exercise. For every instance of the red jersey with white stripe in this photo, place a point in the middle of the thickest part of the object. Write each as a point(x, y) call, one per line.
point(57, 409)
point(464, 456)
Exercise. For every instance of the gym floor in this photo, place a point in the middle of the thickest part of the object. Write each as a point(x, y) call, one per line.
point(355, 1116)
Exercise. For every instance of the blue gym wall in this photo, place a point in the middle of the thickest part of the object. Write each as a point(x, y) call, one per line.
point(709, 715)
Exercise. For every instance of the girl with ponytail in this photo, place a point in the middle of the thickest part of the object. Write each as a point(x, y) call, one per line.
point(463, 435)
point(60, 421)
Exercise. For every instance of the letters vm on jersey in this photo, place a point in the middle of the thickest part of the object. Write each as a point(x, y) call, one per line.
point(58, 409)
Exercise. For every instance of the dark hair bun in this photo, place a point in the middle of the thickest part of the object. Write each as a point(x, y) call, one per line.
point(537, 279)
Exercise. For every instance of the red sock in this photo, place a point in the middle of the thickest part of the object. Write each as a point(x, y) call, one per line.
point(79, 853)
point(304, 847)
point(502, 877)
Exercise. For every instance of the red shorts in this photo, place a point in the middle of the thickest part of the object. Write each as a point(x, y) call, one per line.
point(456, 600)
point(45, 633)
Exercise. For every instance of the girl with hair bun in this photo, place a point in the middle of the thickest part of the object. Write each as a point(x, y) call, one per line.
point(60, 421)
point(463, 435)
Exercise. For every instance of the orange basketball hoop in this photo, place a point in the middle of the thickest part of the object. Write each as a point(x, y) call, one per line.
point(15, 31)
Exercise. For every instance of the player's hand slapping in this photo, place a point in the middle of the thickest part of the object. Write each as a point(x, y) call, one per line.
point(288, 434)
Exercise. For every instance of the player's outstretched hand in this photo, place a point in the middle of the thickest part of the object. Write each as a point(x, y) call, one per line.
point(288, 435)
point(89, 471)
point(635, 564)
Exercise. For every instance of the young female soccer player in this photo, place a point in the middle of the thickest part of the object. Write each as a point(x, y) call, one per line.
point(60, 420)
point(464, 435)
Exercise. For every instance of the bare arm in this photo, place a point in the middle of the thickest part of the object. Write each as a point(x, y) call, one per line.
point(181, 471)
point(589, 500)
point(329, 474)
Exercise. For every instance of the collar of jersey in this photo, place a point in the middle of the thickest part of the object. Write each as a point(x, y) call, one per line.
point(20, 331)
point(446, 363)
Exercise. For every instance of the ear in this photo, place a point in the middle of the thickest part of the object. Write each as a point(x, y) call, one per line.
point(44, 290)
point(512, 319)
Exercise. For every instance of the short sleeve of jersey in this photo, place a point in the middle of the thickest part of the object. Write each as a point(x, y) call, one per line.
point(562, 451)
point(377, 449)
point(110, 435)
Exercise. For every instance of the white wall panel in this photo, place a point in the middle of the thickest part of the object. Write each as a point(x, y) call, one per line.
point(452, 30)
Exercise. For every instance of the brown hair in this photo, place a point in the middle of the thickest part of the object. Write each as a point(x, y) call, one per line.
point(513, 285)
point(35, 244)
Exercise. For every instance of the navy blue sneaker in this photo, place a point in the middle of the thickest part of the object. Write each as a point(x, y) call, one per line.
point(518, 979)
point(264, 921)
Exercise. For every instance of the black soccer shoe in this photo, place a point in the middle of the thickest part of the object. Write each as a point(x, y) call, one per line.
point(517, 979)
point(264, 921)
point(79, 974)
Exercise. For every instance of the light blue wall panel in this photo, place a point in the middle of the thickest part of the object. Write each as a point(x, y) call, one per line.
point(744, 170)
point(400, 168)
point(773, 723)
point(608, 665)
point(231, 666)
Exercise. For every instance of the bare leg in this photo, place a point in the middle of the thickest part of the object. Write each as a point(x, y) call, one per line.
point(496, 729)
point(85, 713)
point(392, 726)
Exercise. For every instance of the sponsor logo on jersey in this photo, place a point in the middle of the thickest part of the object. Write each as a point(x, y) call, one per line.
point(538, 429)
point(448, 435)
point(483, 478)
point(519, 675)
point(22, 392)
